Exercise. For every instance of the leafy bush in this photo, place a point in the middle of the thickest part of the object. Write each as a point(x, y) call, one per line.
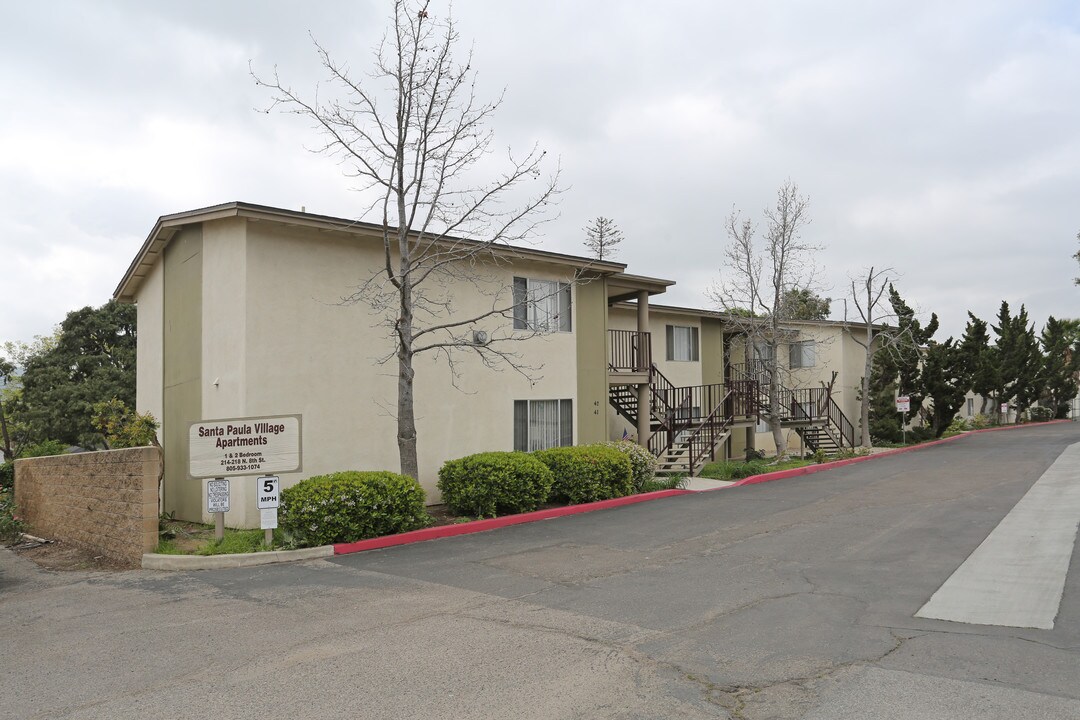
point(747, 469)
point(351, 505)
point(43, 449)
point(1040, 414)
point(920, 434)
point(752, 454)
point(820, 456)
point(958, 425)
point(587, 473)
point(7, 476)
point(10, 522)
point(122, 427)
point(494, 483)
point(979, 422)
point(643, 463)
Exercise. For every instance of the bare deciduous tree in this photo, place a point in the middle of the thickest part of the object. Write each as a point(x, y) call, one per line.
point(411, 133)
point(867, 291)
point(755, 281)
point(601, 237)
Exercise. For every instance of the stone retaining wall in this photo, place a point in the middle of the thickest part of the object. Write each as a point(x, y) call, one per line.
point(105, 502)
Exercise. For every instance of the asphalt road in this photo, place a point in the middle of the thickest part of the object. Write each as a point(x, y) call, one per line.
point(789, 599)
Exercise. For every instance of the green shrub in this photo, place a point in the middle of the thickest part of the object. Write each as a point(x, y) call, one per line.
point(979, 422)
point(587, 473)
point(494, 483)
point(44, 448)
point(10, 522)
point(7, 476)
point(643, 463)
point(351, 505)
point(957, 426)
point(122, 427)
point(1040, 414)
point(920, 434)
point(820, 456)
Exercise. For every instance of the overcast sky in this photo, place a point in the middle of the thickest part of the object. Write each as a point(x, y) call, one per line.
point(939, 138)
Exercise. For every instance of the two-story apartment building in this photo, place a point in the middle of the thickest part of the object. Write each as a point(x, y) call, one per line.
point(240, 314)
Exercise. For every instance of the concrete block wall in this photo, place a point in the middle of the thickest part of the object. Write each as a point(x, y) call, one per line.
point(105, 502)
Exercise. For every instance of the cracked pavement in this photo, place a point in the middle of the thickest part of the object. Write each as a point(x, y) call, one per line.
point(790, 599)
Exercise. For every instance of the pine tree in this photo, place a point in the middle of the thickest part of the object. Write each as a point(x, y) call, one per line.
point(601, 237)
point(1060, 365)
point(978, 357)
point(1018, 359)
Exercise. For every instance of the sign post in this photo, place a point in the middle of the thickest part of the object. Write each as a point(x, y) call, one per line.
point(903, 405)
point(267, 500)
point(259, 446)
point(217, 503)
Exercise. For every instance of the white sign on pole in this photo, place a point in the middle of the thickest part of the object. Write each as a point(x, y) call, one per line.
point(244, 446)
point(268, 518)
point(268, 492)
point(217, 495)
point(903, 404)
point(1005, 408)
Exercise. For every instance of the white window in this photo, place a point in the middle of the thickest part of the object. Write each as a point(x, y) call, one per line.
point(543, 424)
point(971, 407)
point(763, 351)
point(541, 305)
point(803, 354)
point(682, 343)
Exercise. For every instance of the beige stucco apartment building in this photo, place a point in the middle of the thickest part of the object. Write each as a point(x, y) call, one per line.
point(240, 314)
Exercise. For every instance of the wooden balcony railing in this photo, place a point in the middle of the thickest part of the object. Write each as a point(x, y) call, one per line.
point(630, 351)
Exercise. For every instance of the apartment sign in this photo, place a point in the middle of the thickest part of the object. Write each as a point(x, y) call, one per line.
point(903, 404)
point(244, 446)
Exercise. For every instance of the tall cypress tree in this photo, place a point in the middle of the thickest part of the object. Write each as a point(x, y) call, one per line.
point(1018, 359)
point(1061, 362)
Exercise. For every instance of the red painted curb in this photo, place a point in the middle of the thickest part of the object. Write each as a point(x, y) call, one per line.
point(475, 526)
point(811, 469)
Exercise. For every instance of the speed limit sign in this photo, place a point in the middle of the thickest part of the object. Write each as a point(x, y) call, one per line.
point(269, 495)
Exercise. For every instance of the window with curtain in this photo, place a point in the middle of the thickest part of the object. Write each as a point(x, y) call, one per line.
point(543, 424)
point(541, 305)
point(682, 343)
point(803, 354)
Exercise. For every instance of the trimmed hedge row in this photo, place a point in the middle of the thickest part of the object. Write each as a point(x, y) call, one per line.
point(353, 505)
point(498, 483)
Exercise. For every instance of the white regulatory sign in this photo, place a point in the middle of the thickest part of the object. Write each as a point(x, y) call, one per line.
point(268, 489)
point(268, 519)
point(217, 495)
point(244, 446)
point(903, 404)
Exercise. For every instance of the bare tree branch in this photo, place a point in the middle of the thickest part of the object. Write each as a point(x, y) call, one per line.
point(409, 133)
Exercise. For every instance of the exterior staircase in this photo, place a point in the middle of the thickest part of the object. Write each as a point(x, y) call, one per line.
point(812, 412)
point(686, 423)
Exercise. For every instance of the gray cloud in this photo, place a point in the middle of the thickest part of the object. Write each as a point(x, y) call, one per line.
point(939, 139)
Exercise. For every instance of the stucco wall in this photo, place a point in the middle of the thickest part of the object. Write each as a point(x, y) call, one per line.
point(105, 502)
point(149, 352)
point(306, 352)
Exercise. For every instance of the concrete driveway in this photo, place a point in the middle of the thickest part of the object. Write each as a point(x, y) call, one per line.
point(790, 599)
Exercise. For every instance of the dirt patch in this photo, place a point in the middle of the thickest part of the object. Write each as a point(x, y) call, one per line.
point(62, 556)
